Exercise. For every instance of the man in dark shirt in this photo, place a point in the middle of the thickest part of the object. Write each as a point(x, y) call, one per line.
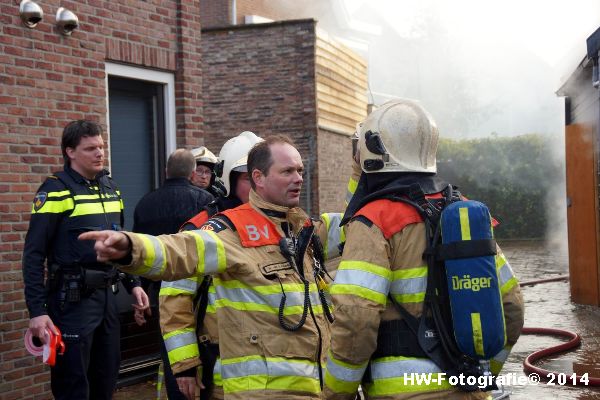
point(163, 211)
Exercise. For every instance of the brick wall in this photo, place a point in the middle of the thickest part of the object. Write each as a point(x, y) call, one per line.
point(335, 167)
point(188, 72)
point(262, 78)
point(46, 80)
point(215, 13)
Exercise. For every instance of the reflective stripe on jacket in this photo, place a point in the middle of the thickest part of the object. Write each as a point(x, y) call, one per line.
point(178, 319)
point(65, 206)
point(383, 255)
point(259, 359)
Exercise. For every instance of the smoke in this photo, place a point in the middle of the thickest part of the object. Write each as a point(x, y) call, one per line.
point(556, 199)
point(480, 68)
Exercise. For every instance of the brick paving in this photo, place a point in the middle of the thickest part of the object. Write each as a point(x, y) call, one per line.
point(546, 305)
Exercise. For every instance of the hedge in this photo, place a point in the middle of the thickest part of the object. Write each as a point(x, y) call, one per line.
point(512, 175)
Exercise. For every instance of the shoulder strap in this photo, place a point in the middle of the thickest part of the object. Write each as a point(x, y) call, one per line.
point(201, 297)
point(431, 328)
point(201, 302)
point(212, 208)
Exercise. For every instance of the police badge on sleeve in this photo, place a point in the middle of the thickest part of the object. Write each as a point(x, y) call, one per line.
point(39, 200)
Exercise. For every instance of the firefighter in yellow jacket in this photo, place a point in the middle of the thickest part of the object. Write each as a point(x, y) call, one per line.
point(187, 306)
point(273, 316)
point(384, 256)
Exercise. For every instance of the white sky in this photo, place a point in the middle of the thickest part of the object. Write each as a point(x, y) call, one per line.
point(506, 58)
point(509, 58)
point(552, 29)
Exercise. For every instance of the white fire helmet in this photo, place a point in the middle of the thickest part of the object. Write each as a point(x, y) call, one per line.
point(399, 136)
point(204, 155)
point(234, 156)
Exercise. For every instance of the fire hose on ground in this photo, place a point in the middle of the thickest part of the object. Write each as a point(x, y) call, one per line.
point(573, 342)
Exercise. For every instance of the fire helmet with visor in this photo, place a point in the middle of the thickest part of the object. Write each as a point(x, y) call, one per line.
point(399, 136)
point(202, 155)
point(233, 157)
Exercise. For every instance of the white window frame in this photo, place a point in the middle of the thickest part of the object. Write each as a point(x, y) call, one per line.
point(167, 79)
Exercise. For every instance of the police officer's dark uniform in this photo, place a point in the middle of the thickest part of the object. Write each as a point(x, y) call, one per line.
point(79, 295)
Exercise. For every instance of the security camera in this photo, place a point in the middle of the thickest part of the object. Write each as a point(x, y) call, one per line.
point(31, 13)
point(66, 21)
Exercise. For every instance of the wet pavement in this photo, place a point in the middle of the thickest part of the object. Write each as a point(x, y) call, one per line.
point(546, 305)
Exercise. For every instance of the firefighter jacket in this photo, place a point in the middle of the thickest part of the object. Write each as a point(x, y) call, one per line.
point(179, 305)
point(352, 182)
point(383, 255)
point(65, 206)
point(257, 292)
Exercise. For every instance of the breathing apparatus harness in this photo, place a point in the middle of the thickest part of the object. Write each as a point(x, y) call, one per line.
point(293, 249)
point(435, 331)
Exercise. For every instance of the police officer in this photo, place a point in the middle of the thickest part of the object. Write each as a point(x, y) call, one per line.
point(79, 296)
point(178, 314)
point(384, 256)
point(272, 313)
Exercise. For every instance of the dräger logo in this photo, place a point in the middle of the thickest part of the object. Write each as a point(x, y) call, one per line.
point(468, 283)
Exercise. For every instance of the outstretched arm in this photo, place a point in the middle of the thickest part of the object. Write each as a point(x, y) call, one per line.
point(168, 257)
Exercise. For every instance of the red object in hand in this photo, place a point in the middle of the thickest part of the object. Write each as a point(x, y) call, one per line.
point(54, 345)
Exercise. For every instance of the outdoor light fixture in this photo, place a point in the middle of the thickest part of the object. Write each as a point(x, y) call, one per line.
point(31, 13)
point(66, 21)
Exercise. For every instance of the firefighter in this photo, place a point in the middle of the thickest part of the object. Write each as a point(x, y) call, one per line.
point(384, 256)
point(232, 176)
point(178, 312)
point(272, 313)
point(162, 211)
point(80, 295)
point(356, 170)
point(204, 175)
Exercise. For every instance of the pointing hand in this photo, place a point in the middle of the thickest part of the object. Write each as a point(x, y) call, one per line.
point(110, 245)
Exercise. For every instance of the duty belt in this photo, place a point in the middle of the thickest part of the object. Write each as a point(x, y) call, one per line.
point(77, 281)
point(90, 277)
point(94, 279)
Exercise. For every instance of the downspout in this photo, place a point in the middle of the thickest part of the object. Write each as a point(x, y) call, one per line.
point(233, 12)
